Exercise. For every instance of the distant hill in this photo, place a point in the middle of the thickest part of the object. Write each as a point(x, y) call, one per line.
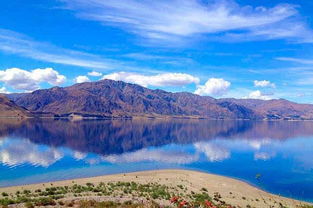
point(10, 109)
point(108, 98)
point(276, 109)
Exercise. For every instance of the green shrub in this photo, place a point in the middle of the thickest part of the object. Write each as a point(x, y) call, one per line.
point(45, 201)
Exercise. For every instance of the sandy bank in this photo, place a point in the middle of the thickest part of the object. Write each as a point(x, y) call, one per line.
point(232, 191)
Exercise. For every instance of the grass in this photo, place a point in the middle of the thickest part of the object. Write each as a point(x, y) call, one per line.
point(117, 194)
point(50, 195)
point(111, 204)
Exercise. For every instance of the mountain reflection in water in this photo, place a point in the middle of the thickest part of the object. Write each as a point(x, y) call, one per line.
point(44, 150)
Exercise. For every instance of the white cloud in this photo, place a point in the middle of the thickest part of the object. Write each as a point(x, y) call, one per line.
point(159, 80)
point(48, 75)
point(167, 20)
point(95, 74)
point(81, 79)
point(296, 60)
point(263, 83)
point(79, 155)
point(29, 80)
point(169, 60)
point(305, 80)
point(263, 156)
point(258, 143)
point(17, 152)
point(157, 155)
point(257, 95)
point(4, 90)
point(212, 152)
point(295, 31)
point(22, 45)
point(143, 56)
point(214, 86)
point(15, 43)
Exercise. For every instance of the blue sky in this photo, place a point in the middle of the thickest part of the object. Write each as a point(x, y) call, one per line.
point(243, 49)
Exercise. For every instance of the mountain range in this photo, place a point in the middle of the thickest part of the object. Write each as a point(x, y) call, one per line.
point(108, 98)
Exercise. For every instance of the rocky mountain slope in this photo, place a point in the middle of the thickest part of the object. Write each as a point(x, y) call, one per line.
point(276, 109)
point(107, 98)
point(10, 109)
point(116, 98)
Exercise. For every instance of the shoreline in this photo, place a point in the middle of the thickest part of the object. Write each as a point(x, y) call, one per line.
point(69, 118)
point(232, 191)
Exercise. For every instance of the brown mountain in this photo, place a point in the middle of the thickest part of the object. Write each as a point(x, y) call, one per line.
point(10, 109)
point(107, 98)
point(276, 109)
point(116, 98)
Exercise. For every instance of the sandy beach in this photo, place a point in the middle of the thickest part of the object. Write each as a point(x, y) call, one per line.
point(234, 192)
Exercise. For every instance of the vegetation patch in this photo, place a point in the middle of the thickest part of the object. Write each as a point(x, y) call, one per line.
point(117, 194)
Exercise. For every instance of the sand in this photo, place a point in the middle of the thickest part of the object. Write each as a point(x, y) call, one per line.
point(232, 191)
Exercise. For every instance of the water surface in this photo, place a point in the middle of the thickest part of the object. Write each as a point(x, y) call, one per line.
point(280, 152)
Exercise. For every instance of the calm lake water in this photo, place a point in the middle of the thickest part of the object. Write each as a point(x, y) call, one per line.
point(280, 152)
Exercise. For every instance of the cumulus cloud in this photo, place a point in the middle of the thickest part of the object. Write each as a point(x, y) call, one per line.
point(213, 152)
point(95, 74)
point(263, 83)
point(29, 80)
point(258, 95)
point(81, 79)
point(214, 86)
point(184, 18)
point(159, 80)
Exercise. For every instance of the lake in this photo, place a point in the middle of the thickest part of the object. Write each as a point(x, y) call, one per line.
point(276, 156)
